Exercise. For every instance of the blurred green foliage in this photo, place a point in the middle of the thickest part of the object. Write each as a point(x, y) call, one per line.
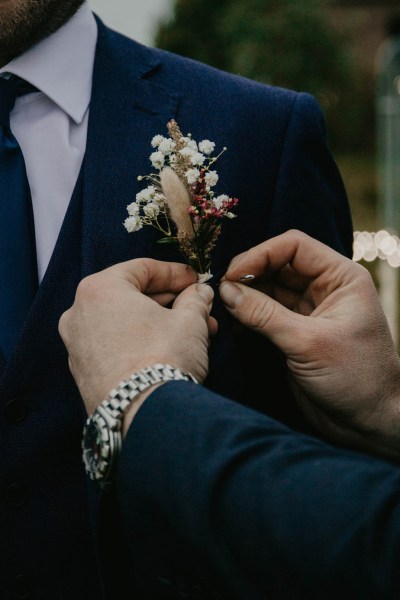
point(288, 43)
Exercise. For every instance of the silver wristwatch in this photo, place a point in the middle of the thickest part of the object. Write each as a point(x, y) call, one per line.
point(102, 439)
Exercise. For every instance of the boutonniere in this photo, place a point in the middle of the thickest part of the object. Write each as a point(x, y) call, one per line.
point(179, 199)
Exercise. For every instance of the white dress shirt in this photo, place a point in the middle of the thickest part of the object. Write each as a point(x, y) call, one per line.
point(51, 125)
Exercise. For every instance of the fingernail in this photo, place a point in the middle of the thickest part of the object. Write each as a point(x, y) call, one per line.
point(205, 291)
point(245, 278)
point(231, 294)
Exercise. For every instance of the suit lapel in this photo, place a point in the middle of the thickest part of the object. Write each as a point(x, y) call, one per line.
point(126, 111)
point(37, 346)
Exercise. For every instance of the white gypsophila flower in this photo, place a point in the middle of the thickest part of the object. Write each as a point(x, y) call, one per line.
point(133, 209)
point(211, 178)
point(151, 210)
point(187, 151)
point(197, 159)
point(166, 146)
point(189, 143)
point(157, 159)
point(159, 199)
point(192, 175)
point(219, 200)
point(157, 139)
point(231, 215)
point(206, 146)
point(146, 194)
point(132, 224)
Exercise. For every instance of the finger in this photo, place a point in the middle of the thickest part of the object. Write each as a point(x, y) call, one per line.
point(166, 299)
point(212, 325)
point(153, 276)
point(307, 256)
point(204, 290)
point(264, 315)
point(197, 298)
point(163, 298)
point(303, 302)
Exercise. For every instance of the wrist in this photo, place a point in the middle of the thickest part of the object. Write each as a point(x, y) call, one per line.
point(102, 434)
point(385, 428)
point(134, 407)
point(377, 433)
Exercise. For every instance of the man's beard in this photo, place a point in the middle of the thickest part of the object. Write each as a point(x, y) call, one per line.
point(23, 23)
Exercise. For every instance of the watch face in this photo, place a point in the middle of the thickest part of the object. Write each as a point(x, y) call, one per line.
point(92, 447)
point(101, 444)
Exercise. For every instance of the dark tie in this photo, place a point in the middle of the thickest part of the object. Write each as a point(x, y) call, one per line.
point(18, 270)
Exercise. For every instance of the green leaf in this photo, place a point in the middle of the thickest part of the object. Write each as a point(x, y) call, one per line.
point(168, 240)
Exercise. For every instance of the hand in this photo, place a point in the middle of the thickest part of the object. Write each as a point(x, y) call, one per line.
point(119, 324)
point(323, 311)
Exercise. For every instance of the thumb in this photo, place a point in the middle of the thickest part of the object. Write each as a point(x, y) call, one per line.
point(198, 300)
point(197, 297)
point(263, 314)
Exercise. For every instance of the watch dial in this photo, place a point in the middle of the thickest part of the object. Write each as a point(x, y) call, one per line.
point(92, 447)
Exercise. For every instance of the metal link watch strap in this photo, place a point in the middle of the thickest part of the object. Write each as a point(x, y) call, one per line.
point(120, 398)
point(102, 438)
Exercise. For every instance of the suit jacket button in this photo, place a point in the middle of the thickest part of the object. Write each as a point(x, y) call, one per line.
point(16, 410)
point(16, 494)
point(22, 586)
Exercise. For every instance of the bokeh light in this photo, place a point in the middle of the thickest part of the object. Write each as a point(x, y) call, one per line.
point(382, 245)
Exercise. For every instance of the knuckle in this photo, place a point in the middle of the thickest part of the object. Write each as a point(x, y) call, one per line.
point(88, 288)
point(260, 314)
point(62, 324)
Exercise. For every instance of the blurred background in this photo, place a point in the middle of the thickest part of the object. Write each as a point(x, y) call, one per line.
point(344, 52)
point(137, 19)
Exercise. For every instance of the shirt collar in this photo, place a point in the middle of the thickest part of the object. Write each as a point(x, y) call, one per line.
point(61, 65)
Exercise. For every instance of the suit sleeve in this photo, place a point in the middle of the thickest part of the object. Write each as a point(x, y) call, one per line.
point(271, 509)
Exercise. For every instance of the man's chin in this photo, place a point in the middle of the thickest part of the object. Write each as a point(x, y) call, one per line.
point(24, 23)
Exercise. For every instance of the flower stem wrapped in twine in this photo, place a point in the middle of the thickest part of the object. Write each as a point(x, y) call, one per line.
point(181, 193)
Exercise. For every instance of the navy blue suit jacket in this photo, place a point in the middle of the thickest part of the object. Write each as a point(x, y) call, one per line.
point(279, 167)
point(275, 513)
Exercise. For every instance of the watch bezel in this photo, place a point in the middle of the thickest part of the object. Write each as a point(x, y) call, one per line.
point(107, 429)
